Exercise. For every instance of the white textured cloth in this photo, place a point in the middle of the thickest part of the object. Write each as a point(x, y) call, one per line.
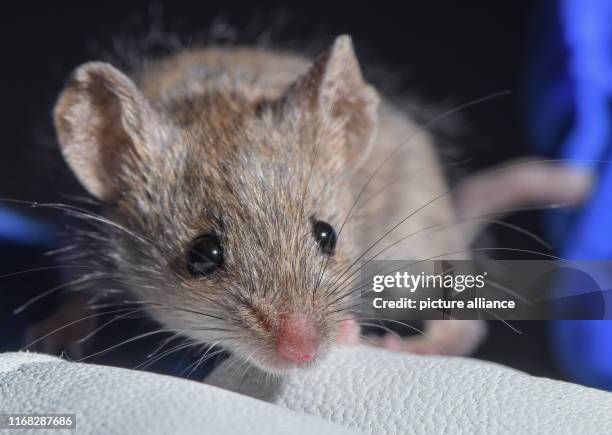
point(108, 400)
point(355, 389)
point(383, 392)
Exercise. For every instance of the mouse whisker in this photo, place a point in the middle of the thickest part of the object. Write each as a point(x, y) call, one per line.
point(202, 360)
point(407, 176)
point(46, 268)
point(105, 324)
point(124, 342)
point(74, 322)
point(79, 212)
point(380, 326)
point(164, 343)
point(130, 311)
point(180, 346)
point(77, 281)
point(396, 149)
point(247, 367)
point(150, 361)
point(443, 225)
point(460, 251)
point(407, 325)
point(388, 157)
point(505, 322)
point(389, 231)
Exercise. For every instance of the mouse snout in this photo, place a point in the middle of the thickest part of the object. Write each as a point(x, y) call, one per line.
point(298, 338)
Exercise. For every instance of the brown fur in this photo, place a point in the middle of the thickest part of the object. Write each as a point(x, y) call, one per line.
point(250, 145)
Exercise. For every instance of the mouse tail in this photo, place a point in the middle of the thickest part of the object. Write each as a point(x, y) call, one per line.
point(517, 185)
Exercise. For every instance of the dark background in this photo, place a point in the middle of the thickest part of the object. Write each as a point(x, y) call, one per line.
point(444, 53)
point(449, 52)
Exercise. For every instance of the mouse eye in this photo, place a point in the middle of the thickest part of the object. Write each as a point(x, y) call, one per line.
point(325, 235)
point(205, 255)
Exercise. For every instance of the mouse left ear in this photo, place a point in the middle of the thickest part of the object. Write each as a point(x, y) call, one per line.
point(104, 126)
point(334, 90)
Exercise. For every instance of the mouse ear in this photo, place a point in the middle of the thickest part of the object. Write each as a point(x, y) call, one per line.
point(334, 89)
point(103, 123)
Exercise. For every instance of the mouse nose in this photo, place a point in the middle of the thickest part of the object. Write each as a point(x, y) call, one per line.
point(297, 338)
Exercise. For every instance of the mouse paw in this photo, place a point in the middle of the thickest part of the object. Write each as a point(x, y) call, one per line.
point(348, 333)
point(63, 342)
point(60, 332)
point(441, 337)
point(415, 345)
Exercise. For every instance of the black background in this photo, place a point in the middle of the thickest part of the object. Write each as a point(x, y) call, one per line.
point(449, 52)
point(446, 52)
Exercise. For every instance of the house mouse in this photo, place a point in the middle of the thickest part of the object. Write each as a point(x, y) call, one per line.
point(243, 188)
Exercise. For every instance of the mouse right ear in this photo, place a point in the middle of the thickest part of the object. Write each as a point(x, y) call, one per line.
point(334, 90)
point(103, 124)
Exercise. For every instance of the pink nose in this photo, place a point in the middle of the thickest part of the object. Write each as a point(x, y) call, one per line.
point(297, 338)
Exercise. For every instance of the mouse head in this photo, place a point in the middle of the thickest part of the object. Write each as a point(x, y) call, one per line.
point(231, 213)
